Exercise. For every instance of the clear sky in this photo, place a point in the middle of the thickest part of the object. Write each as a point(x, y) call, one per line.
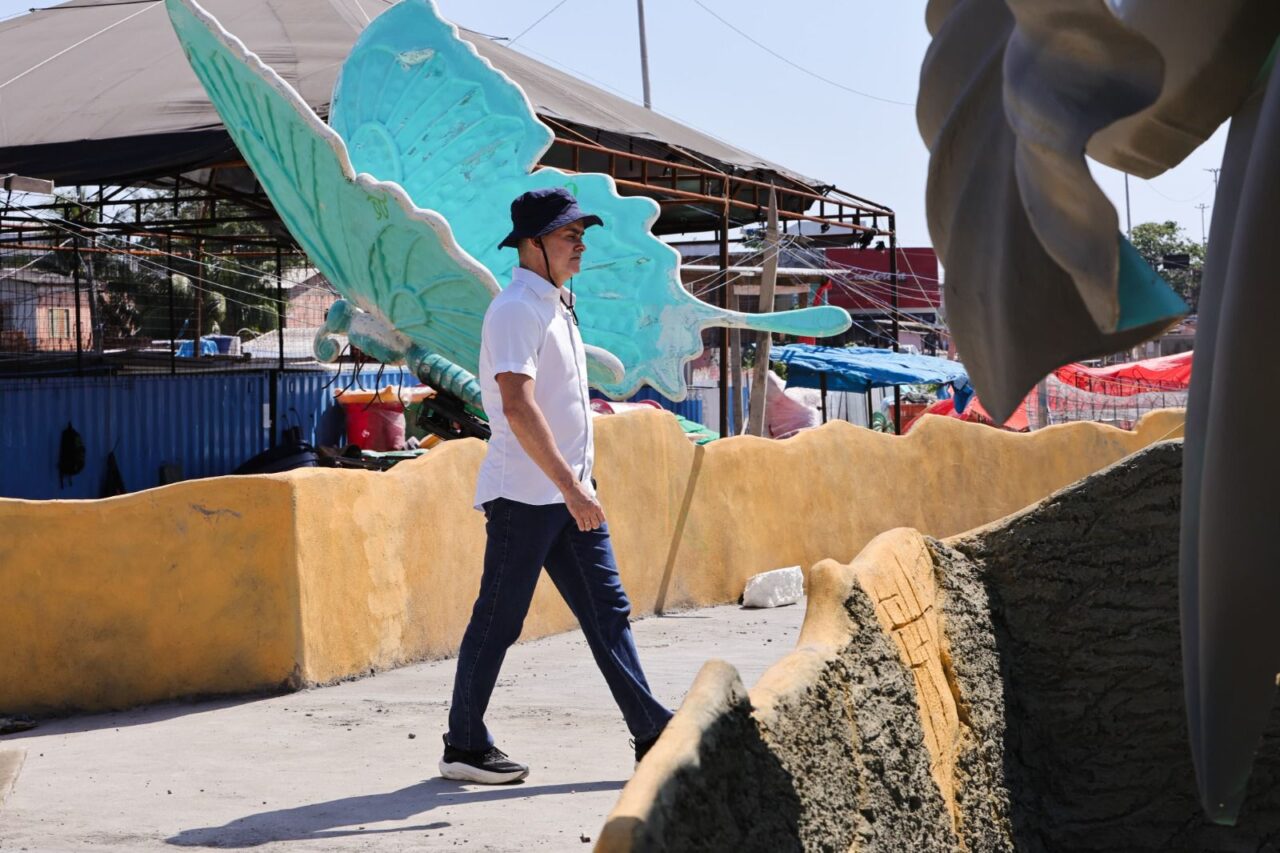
point(707, 75)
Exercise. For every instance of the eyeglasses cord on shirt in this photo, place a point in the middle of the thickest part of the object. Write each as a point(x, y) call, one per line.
point(547, 261)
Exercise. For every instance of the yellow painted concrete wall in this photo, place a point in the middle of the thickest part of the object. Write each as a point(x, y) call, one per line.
point(184, 590)
point(761, 504)
point(230, 584)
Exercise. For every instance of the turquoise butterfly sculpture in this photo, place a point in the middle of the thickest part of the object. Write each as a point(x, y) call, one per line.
point(418, 117)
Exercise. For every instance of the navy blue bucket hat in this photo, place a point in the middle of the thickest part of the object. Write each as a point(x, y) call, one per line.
point(539, 212)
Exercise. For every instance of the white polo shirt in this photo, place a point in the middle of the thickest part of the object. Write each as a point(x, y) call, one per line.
point(528, 329)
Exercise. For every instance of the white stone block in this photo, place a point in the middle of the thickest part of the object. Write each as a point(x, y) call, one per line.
point(775, 588)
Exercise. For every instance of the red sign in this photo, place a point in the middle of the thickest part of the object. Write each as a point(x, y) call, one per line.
point(864, 283)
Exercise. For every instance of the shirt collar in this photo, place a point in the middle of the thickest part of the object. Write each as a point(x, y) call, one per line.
point(539, 285)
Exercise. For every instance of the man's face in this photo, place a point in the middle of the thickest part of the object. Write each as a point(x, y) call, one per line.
point(564, 248)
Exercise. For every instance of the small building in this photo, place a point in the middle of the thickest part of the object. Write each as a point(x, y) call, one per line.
point(38, 312)
point(307, 302)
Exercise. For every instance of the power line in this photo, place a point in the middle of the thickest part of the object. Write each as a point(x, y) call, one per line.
point(545, 15)
point(799, 67)
point(1151, 187)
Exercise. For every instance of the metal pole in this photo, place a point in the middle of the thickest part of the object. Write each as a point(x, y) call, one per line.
point(1204, 237)
point(724, 331)
point(735, 356)
point(173, 331)
point(95, 315)
point(1128, 220)
point(195, 274)
point(822, 383)
point(644, 55)
point(274, 398)
point(75, 277)
point(280, 313)
point(893, 277)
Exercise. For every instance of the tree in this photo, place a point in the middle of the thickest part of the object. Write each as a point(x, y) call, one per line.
point(233, 293)
point(1178, 259)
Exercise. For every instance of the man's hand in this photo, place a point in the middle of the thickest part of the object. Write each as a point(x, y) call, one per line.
point(531, 430)
point(584, 507)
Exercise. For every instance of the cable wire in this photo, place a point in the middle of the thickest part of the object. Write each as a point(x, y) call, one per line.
point(799, 67)
point(545, 15)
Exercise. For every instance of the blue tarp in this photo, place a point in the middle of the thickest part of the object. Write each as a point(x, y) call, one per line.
point(208, 346)
point(863, 368)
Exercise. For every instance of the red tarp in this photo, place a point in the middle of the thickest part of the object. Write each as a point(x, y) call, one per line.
point(1166, 373)
point(975, 414)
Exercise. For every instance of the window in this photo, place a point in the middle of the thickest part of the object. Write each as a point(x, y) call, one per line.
point(59, 322)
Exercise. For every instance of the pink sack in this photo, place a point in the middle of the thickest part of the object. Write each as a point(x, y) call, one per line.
point(787, 410)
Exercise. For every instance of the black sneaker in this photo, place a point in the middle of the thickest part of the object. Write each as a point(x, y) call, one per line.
point(488, 767)
point(642, 747)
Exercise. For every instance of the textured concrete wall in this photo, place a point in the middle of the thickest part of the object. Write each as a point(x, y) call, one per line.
point(1083, 600)
point(1017, 687)
point(247, 583)
point(852, 747)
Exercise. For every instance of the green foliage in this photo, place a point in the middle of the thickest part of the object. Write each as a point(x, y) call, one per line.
point(233, 293)
point(749, 360)
point(1161, 243)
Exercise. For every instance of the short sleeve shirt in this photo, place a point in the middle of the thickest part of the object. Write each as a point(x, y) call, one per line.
point(528, 329)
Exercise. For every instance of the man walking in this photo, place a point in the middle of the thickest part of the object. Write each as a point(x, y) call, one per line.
point(537, 494)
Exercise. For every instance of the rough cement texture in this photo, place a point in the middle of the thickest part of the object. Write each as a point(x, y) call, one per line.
point(739, 797)
point(1084, 612)
point(973, 670)
point(854, 745)
point(837, 765)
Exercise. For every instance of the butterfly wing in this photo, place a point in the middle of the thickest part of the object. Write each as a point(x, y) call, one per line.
point(388, 257)
point(417, 105)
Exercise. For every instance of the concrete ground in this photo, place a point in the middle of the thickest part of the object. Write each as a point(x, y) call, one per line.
point(353, 766)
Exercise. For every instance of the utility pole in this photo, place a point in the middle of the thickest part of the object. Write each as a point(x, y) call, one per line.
point(644, 56)
point(1204, 238)
point(1215, 178)
point(1128, 219)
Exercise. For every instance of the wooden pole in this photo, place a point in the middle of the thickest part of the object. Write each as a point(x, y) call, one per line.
point(735, 359)
point(893, 276)
point(760, 375)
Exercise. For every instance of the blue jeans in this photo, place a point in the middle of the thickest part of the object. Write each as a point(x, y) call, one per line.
point(522, 538)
